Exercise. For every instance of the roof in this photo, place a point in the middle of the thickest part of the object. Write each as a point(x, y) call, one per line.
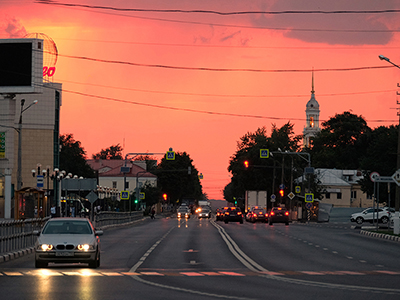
point(112, 168)
point(337, 177)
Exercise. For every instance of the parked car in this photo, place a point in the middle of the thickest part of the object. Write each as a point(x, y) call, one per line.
point(233, 214)
point(257, 214)
point(382, 214)
point(278, 215)
point(68, 240)
point(204, 213)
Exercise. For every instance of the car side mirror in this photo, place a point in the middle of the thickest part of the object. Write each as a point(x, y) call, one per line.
point(36, 232)
point(98, 232)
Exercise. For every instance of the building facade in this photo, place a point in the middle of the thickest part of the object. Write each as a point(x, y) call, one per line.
point(39, 141)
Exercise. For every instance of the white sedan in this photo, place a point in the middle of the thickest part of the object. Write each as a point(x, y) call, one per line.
point(68, 240)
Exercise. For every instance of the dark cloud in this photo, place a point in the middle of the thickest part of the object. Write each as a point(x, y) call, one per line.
point(332, 28)
point(14, 29)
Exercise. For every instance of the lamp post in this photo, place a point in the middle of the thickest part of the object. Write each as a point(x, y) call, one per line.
point(19, 168)
point(396, 225)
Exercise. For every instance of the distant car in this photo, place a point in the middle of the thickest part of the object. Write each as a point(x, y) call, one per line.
point(183, 212)
point(219, 214)
point(204, 213)
point(68, 240)
point(278, 215)
point(382, 214)
point(257, 214)
point(233, 214)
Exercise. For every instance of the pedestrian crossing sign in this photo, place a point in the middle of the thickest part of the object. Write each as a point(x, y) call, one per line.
point(309, 197)
point(264, 153)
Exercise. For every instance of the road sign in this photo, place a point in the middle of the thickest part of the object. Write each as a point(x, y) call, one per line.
point(309, 197)
point(373, 175)
point(291, 195)
point(142, 196)
point(125, 169)
point(92, 197)
point(273, 198)
point(201, 176)
point(309, 170)
point(396, 177)
point(281, 186)
point(264, 153)
point(384, 179)
point(170, 155)
point(124, 195)
point(308, 205)
point(297, 189)
point(39, 181)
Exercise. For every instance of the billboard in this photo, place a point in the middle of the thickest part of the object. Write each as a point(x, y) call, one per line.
point(21, 66)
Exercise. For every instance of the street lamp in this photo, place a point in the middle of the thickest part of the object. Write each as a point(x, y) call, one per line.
point(396, 225)
point(19, 169)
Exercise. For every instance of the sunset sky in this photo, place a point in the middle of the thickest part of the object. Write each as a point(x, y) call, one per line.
point(198, 81)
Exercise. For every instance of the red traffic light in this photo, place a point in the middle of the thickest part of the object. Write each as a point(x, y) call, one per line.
point(246, 163)
point(282, 193)
point(165, 197)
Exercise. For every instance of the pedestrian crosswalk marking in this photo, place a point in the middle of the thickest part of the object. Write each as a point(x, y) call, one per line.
point(88, 272)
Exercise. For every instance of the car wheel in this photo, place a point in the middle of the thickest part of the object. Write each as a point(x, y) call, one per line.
point(287, 223)
point(40, 264)
point(241, 222)
point(226, 222)
point(385, 220)
point(359, 220)
point(270, 223)
point(93, 264)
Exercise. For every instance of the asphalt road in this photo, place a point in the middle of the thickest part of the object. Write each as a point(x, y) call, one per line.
point(169, 258)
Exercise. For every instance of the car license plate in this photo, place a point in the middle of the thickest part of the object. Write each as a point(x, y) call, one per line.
point(66, 253)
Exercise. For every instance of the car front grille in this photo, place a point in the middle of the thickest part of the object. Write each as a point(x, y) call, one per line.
point(65, 247)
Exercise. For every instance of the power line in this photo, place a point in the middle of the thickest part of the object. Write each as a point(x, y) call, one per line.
point(198, 111)
point(220, 12)
point(223, 69)
point(228, 95)
point(230, 25)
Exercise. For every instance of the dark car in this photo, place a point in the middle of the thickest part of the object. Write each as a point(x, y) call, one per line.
point(204, 213)
point(278, 215)
point(257, 214)
point(233, 214)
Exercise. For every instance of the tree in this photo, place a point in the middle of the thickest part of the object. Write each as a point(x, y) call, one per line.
point(112, 152)
point(175, 180)
point(261, 173)
point(341, 143)
point(73, 157)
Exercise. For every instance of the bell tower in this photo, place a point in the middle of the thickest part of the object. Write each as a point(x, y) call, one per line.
point(312, 117)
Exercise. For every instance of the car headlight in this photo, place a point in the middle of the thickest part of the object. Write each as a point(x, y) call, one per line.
point(84, 247)
point(45, 247)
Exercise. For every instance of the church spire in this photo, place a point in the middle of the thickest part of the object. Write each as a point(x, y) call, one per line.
point(312, 82)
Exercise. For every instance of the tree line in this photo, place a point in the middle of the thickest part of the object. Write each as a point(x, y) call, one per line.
point(344, 142)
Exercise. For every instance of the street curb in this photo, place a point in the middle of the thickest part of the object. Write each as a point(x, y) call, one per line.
point(380, 235)
point(15, 254)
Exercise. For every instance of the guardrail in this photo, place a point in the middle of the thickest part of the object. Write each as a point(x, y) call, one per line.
point(18, 234)
point(107, 218)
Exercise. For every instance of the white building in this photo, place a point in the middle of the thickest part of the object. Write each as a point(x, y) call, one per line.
point(110, 174)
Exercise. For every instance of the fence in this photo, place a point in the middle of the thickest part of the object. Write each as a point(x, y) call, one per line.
point(18, 234)
point(107, 218)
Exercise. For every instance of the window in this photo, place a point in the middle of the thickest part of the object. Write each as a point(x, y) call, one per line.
point(114, 184)
point(126, 185)
point(311, 121)
point(339, 196)
point(328, 195)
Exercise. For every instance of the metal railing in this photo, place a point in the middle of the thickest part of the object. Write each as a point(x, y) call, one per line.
point(18, 234)
point(107, 218)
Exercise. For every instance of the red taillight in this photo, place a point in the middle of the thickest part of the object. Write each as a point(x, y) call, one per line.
point(239, 213)
point(286, 213)
point(266, 215)
point(272, 213)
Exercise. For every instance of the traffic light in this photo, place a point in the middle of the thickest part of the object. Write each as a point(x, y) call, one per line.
point(282, 192)
point(136, 201)
point(246, 164)
point(165, 197)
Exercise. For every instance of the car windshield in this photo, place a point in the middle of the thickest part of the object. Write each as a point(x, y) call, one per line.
point(67, 227)
point(258, 211)
point(182, 209)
